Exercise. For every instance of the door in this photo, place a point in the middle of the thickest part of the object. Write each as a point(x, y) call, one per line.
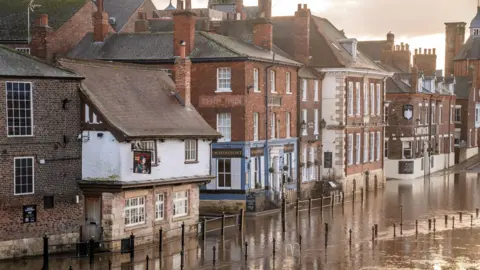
point(93, 225)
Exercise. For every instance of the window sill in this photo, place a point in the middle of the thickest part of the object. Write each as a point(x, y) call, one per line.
point(289, 93)
point(257, 91)
point(273, 92)
point(181, 218)
point(223, 91)
point(191, 162)
point(135, 227)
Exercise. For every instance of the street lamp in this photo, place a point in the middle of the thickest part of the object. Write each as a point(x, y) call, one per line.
point(323, 124)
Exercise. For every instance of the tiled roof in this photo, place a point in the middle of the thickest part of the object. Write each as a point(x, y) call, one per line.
point(139, 100)
point(309, 73)
point(159, 46)
point(397, 86)
point(463, 86)
point(373, 48)
point(16, 64)
point(122, 11)
point(469, 50)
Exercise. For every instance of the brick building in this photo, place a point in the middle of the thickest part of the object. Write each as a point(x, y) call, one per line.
point(56, 26)
point(142, 162)
point(41, 156)
point(246, 91)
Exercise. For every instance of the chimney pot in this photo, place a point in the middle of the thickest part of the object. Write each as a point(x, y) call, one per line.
point(429, 51)
point(434, 51)
point(424, 51)
point(182, 49)
point(305, 7)
point(416, 51)
point(43, 20)
point(299, 7)
point(188, 4)
point(407, 47)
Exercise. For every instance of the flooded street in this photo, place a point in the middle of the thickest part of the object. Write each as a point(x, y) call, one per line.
point(451, 245)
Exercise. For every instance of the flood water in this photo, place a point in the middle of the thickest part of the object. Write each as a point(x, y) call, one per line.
point(455, 245)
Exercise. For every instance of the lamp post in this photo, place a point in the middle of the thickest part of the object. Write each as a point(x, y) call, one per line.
point(303, 127)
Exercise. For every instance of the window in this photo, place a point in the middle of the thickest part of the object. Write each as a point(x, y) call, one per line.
point(19, 109)
point(440, 114)
point(372, 146)
point(425, 118)
point(350, 149)
point(256, 172)
point(287, 124)
point(272, 82)
point(315, 89)
point(477, 114)
point(160, 206)
point(379, 98)
point(420, 111)
point(48, 202)
point(451, 114)
point(385, 149)
point(378, 146)
point(315, 116)
point(224, 80)
point(304, 90)
point(365, 147)
point(350, 98)
point(255, 126)
point(224, 173)
point(407, 149)
point(357, 96)
point(135, 211)
point(433, 113)
point(224, 126)
point(149, 146)
point(456, 140)
point(288, 83)
point(365, 99)
point(273, 124)
point(357, 148)
point(458, 114)
point(191, 150)
point(23, 50)
point(304, 120)
point(255, 80)
point(23, 175)
point(180, 203)
point(372, 96)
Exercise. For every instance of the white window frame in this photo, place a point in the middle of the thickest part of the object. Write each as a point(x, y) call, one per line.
point(288, 83)
point(180, 202)
point(358, 141)
point(224, 173)
point(365, 99)
point(457, 136)
point(304, 89)
point(365, 147)
point(224, 126)
point(288, 119)
point(372, 97)
point(273, 88)
point(372, 146)
point(350, 98)
point(457, 116)
point(159, 206)
point(379, 98)
point(315, 89)
point(426, 116)
point(224, 79)
point(433, 108)
point(440, 112)
point(404, 155)
point(378, 146)
point(256, 88)
point(191, 150)
point(305, 119)
point(14, 108)
point(138, 208)
point(358, 98)
point(315, 116)
point(350, 149)
point(255, 126)
point(23, 50)
point(32, 159)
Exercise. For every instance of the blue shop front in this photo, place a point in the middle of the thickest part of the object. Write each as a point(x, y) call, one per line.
point(247, 177)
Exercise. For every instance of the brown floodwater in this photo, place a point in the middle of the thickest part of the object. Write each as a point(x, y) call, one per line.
point(451, 245)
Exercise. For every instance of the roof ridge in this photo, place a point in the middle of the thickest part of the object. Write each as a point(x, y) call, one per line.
point(103, 63)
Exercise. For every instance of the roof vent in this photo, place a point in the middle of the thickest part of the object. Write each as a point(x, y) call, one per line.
point(112, 20)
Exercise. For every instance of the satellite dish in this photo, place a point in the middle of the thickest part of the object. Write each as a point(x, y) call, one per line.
point(112, 20)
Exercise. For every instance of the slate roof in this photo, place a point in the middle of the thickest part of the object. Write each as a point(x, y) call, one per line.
point(17, 64)
point(397, 86)
point(373, 48)
point(463, 86)
point(138, 100)
point(476, 21)
point(159, 46)
point(469, 50)
point(309, 73)
point(121, 10)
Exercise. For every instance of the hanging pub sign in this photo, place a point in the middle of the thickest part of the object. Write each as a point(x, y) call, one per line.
point(408, 111)
point(227, 153)
point(29, 213)
point(142, 162)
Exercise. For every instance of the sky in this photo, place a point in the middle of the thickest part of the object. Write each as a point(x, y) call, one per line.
point(419, 23)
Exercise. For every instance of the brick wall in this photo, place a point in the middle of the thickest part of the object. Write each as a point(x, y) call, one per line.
point(62, 166)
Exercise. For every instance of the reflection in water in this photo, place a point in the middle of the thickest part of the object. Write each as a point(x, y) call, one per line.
point(431, 198)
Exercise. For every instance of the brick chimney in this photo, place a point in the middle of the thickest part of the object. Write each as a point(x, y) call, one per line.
point(397, 55)
point(183, 74)
point(263, 28)
point(100, 23)
point(239, 9)
point(390, 39)
point(426, 62)
point(301, 34)
point(141, 24)
point(414, 79)
point(455, 37)
point(183, 30)
point(40, 38)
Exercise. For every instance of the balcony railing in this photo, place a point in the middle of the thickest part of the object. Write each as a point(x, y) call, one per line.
point(275, 101)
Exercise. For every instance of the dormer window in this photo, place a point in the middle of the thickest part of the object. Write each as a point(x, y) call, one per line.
point(350, 45)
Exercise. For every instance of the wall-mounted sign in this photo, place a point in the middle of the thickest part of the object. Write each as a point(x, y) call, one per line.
point(227, 153)
point(29, 213)
point(142, 162)
point(257, 152)
point(251, 203)
point(408, 111)
point(289, 148)
point(327, 160)
point(405, 167)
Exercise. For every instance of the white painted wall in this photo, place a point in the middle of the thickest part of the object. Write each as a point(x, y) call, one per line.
point(105, 157)
point(472, 152)
point(440, 163)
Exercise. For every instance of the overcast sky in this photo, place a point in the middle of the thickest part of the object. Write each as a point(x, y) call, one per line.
point(418, 22)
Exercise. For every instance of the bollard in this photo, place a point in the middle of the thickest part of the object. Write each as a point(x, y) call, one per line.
point(132, 246)
point(326, 235)
point(401, 214)
point(298, 208)
point(361, 193)
point(376, 230)
point(214, 249)
point(321, 202)
point(284, 214)
point(350, 237)
point(182, 243)
point(477, 212)
point(300, 241)
point(416, 227)
point(204, 228)
point(91, 247)
point(394, 230)
point(45, 252)
point(429, 224)
point(310, 205)
point(471, 220)
point(373, 233)
point(182, 256)
point(160, 241)
point(70, 268)
point(460, 213)
point(109, 264)
point(434, 222)
point(274, 247)
point(147, 259)
point(222, 231)
point(343, 198)
point(246, 250)
point(453, 222)
point(446, 220)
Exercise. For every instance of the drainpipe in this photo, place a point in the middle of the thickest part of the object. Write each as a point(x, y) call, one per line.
point(299, 133)
point(267, 154)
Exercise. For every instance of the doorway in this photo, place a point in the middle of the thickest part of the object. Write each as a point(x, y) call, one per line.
point(93, 225)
